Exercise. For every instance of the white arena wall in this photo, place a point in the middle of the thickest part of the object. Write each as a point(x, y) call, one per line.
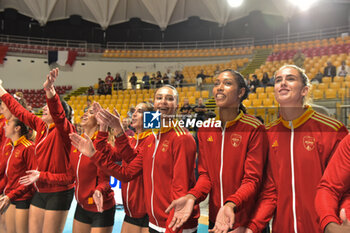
point(31, 75)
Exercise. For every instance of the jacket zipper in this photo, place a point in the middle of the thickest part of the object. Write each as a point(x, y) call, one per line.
point(293, 176)
point(127, 188)
point(222, 165)
point(47, 132)
point(7, 165)
point(77, 173)
point(153, 159)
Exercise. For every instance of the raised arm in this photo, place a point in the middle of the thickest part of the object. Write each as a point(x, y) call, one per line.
point(20, 112)
point(56, 109)
point(122, 173)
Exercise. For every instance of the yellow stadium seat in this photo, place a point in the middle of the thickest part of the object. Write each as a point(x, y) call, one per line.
point(338, 79)
point(334, 85)
point(252, 96)
point(256, 102)
point(326, 80)
point(205, 94)
point(269, 89)
point(322, 86)
point(318, 94)
point(197, 94)
point(331, 94)
point(260, 90)
point(192, 100)
point(262, 95)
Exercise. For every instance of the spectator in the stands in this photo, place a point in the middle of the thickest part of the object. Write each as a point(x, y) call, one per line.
point(153, 81)
point(109, 79)
point(118, 82)
point(165, 79)
point(181, 77)
point(101, 89)
point(200, 79)
point(343, 70)
point(186, 109)
point(299, 58)
point(159, 79)
point(317, 79)
point(255, 83)
point(131, 111)
point(90, 91)
point(265, 79)
point(100, 82)
point(200, 110)
point(330, 70)
point(88, 105)
point(126, 126)
point(133, 81)
point(145, 80)
point(170, 76)
point(107, 90)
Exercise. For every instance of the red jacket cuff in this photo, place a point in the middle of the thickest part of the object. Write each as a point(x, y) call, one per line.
point(328, 219)
point(11, 196)
point(235, 200)
point(253, 227)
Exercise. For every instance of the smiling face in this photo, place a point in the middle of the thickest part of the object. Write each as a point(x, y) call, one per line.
point(88, 120)
point(290, 89)
point(226, 92)
point(165, 100)
point(46, 115)
point(137, 116)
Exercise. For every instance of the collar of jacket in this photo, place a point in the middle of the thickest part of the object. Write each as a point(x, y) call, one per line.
point(238, 117)
point(300, 120)
point(143, 134)
point(19, 141)
point(93, 137)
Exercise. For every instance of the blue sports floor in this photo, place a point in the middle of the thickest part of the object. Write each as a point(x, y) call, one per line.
point(119, 217)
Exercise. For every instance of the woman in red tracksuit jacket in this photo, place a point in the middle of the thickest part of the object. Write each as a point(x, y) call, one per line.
point(335, 185)
point(17, 197)
point(231, 159)
point(301, 142)
point(166, 161)
point(4, 142)
point(51, 202)
point(95, 198)
point(136, 218)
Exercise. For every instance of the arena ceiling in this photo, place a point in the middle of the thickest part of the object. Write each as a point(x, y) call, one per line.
point(158, 12)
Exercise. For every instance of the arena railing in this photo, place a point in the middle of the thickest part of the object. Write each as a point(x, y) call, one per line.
point(325, 33)
point(242, 42)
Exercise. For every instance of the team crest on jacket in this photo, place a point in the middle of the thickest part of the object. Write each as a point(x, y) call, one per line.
point(236, 139)
point(165, 145)
point(309, 143)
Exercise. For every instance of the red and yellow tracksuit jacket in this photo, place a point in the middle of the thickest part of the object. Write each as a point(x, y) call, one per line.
point(132, 191)
point(230, 165)
point(299, 152)
point(3, 142)
point(21, 158)
point(167, 161)
point(334, 186)
point(52, 144)
point(89, 178)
